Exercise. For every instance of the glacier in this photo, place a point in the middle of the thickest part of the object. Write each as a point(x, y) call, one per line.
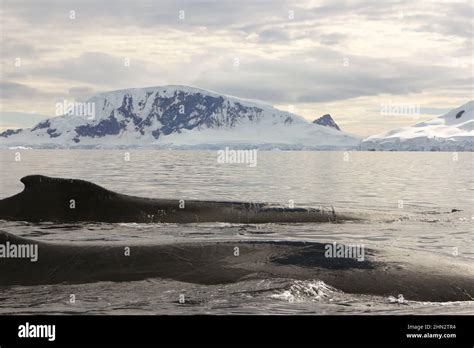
point(453, 131)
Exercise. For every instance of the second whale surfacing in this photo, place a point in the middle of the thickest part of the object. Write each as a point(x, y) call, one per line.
point(70, 200)
point(417, 275)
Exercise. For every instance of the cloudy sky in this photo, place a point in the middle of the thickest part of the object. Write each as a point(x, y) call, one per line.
point(347, 58)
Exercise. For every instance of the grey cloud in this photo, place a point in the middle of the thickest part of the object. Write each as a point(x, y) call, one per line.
point(308, 74)
point(96, 68)
point(81, 93)
point(274, 35)
point(294, 80)
point(12, 48)
point(12, 90)
point(456, 20)
point(248, 16)
point(146, 12)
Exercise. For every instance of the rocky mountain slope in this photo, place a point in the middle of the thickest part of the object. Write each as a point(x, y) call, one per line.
point(327, 121)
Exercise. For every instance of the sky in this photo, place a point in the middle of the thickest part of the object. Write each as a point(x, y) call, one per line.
point(352, 59)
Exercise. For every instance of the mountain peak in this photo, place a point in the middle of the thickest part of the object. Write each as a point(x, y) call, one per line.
point(176, 116)
point(327, 121)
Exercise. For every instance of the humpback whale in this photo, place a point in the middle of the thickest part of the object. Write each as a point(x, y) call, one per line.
point(71, 200)
point(418, 275)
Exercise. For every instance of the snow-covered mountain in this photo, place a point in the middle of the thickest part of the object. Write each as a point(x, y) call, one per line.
point(327, 121)
point(176, 116)
point(453, 131)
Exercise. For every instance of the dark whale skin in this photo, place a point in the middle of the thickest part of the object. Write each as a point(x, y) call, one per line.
point(49, 199)
point(416, 274)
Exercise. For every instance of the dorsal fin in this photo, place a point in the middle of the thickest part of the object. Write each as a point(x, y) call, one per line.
point(42, 182)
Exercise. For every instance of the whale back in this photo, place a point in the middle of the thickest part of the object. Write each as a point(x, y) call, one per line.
point(68, 200)
point(418, 275)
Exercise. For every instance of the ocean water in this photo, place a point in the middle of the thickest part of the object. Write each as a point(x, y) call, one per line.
point(427, 186)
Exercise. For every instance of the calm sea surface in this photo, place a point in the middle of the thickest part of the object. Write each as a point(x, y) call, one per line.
point(427, 185)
